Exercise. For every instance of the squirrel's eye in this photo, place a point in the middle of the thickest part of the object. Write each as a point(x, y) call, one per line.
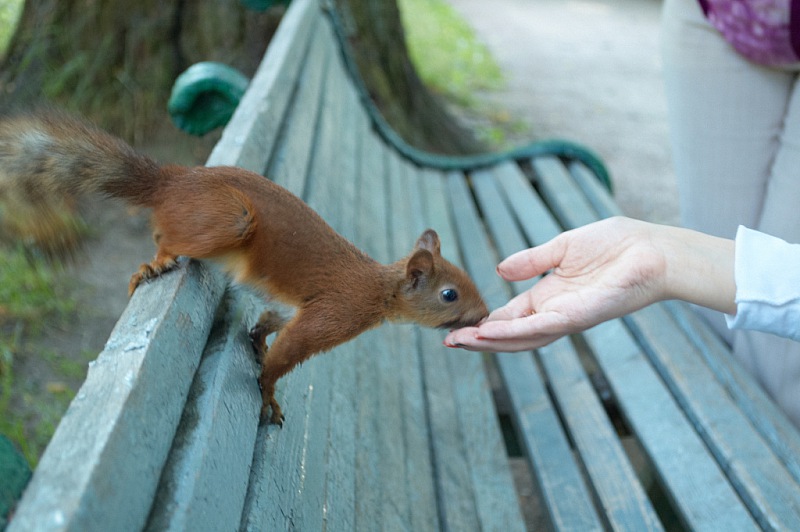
point(448, 295)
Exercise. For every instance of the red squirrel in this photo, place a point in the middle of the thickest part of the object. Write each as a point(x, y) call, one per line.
point(258, 232)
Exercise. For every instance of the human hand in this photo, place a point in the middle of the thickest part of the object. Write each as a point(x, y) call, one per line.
point(600, 271)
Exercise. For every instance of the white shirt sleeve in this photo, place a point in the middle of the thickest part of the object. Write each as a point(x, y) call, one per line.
point(767, 275)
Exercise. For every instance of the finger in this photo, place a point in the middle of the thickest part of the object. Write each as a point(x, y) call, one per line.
point(517, 307)
point(533, 328)
point(469, 340)
point(531, 262)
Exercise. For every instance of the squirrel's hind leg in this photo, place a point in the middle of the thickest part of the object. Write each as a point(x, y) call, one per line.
point(162, 263)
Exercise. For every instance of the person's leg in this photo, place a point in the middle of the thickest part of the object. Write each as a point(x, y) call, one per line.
point(735, 134)
point(725, 117)
point(776, 361)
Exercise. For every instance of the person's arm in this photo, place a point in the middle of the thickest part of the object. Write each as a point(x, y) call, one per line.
point(603, 271)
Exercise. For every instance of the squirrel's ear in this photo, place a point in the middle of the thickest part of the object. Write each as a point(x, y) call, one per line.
point(419, 267)
point(430, 241)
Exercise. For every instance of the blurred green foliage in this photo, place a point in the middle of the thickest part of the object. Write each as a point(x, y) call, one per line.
point(10, 11)
point(445, 51)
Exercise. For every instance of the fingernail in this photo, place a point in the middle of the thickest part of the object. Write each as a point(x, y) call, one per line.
point(459, 346)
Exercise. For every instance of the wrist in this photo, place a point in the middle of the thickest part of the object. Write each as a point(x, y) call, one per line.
point(699, 269)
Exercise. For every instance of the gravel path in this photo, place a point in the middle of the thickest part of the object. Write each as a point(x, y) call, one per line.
point(588, 71)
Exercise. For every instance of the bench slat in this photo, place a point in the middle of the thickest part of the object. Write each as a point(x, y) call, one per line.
point(564, 492)
point(761, 480)
point(204, 481)
point(760, 409)
point(126, 437)
point(372, 235)
point(696, 485)
point(302, 441)
point(289, 165)
point(249, 138)
point(624, 502)
point(340, 489)
point(329, 167)
point(478, 480)
point(418, 486)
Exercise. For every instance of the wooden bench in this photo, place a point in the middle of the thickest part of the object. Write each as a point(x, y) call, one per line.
point(392, 430)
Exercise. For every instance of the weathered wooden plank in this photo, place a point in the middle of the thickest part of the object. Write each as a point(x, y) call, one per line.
point(289, 490)
point(341, 189)
point(536, 222)
point(406, 224)
point(373, 237)
point(400, 397)
point(594, 191)
point(457, 493)
point(759, 408)
point(565, 495)
point(698, 489)
point(760, 479)
point(292, 155)
point(562, 194)
point(276, 475)
point(381, 497)
point(471, 450)
point(205, 478)
point(248, 139)
point(333, 165)
point(624, 502)
point(120, 426)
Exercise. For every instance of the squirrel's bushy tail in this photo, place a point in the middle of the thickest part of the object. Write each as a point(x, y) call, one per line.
point(47, 161)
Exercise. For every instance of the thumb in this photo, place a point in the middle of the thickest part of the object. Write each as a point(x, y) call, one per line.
point(529, 263)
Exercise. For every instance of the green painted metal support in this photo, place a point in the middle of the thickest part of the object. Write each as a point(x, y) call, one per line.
point(262, 5)
point(205, 96)
point(14, 476)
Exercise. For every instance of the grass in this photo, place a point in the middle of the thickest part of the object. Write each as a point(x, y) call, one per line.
point(453, 63)
point(29, 411)
point(446, 52)
point(30, 408)
point(10, 10)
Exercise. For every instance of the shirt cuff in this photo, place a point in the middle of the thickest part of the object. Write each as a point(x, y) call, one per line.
point(767, 275)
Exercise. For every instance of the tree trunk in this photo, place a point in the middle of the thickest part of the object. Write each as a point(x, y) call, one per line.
point(378, 41)
point(115, 61)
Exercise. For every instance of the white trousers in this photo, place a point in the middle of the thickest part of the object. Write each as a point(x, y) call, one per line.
point(735, 136)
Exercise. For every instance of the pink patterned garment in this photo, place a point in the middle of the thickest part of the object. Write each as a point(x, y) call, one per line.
point(764, 31)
